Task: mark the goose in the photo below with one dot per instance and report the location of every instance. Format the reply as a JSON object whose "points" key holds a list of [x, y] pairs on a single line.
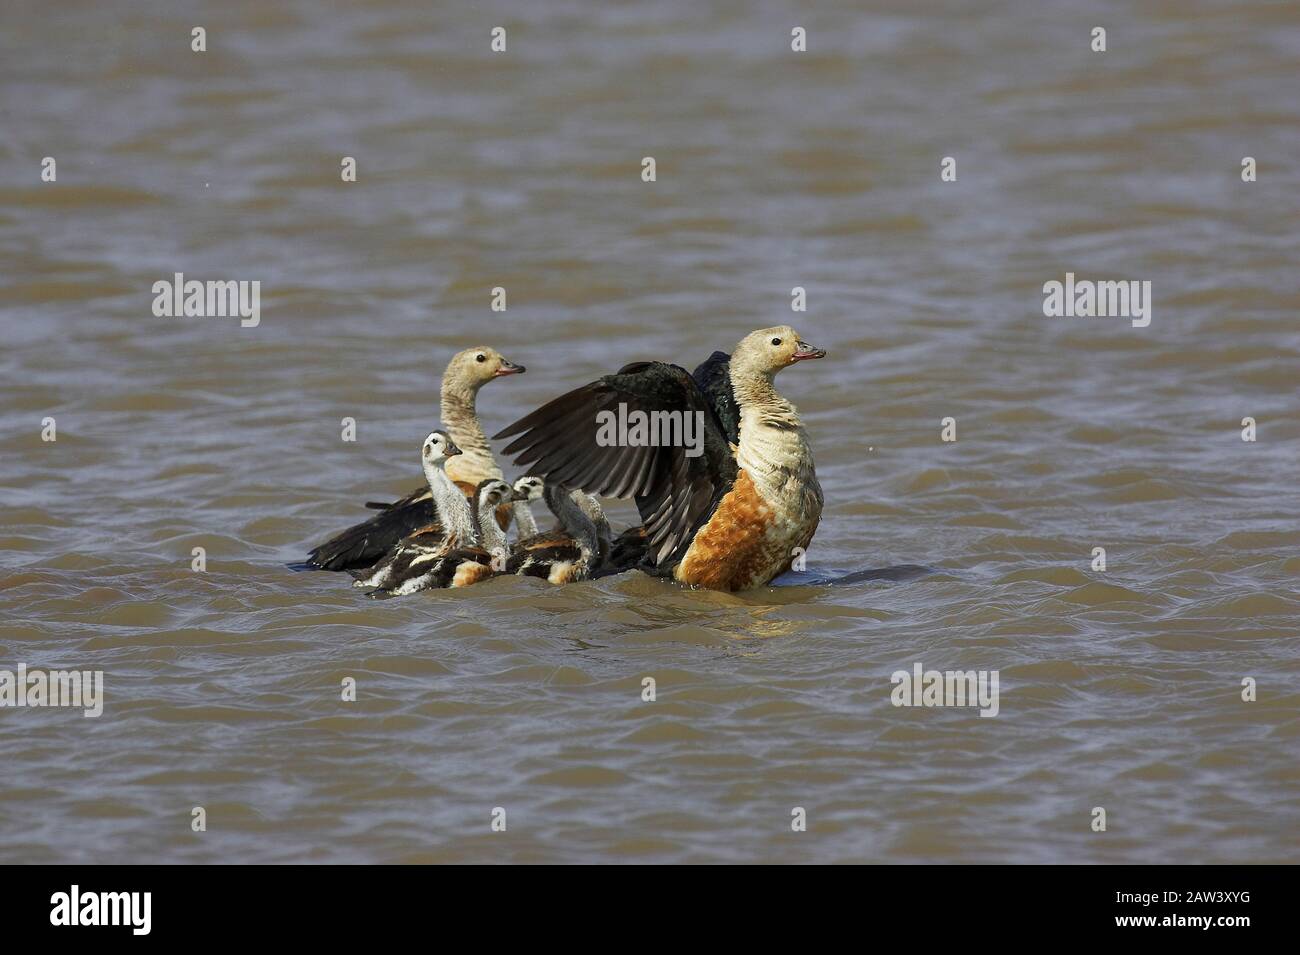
{"points": [[569, 553], [469, 565], [590, 506], [423, 562], [727, 515], [419, 567], [526, 490], [530, 488], [362, 545], [452, 526]]}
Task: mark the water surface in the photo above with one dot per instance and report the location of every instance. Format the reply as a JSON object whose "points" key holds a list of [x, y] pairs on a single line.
{"points": [[1119, 689]]}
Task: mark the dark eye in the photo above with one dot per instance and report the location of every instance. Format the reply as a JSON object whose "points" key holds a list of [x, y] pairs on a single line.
{"points": [[776, 341], [480, 357]]}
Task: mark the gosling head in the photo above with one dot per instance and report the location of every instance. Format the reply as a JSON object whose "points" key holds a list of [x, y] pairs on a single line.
{"points": [[438, 447], [471, 369], [528, 488], [768, 350], [490, 493]]}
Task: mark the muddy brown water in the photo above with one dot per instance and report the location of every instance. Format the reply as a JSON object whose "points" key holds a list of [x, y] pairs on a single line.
{"points": [[1119, 689]]}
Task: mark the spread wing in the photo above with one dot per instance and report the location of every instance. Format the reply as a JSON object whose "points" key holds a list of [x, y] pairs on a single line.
{"points": [[675, 491], [362, 545], [714, 378]]}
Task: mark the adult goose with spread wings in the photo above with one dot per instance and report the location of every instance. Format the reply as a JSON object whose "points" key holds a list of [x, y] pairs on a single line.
{"points": [[727, 513]]}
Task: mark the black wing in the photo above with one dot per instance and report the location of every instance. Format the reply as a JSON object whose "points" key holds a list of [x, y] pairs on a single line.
{"points": [[675, 493], [362, 545], [421, 493], [626, 551], [714, 378]]}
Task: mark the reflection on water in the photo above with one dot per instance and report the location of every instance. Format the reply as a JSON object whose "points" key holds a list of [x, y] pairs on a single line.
{"points": [[1119, 688]]}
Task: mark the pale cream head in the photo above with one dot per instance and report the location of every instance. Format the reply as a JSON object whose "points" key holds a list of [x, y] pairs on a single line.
{"points": [[768, 350]]}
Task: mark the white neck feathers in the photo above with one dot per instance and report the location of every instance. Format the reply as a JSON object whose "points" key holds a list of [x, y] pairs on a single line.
{"points": [[453, 508], [493, 538], [524, 519]]}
